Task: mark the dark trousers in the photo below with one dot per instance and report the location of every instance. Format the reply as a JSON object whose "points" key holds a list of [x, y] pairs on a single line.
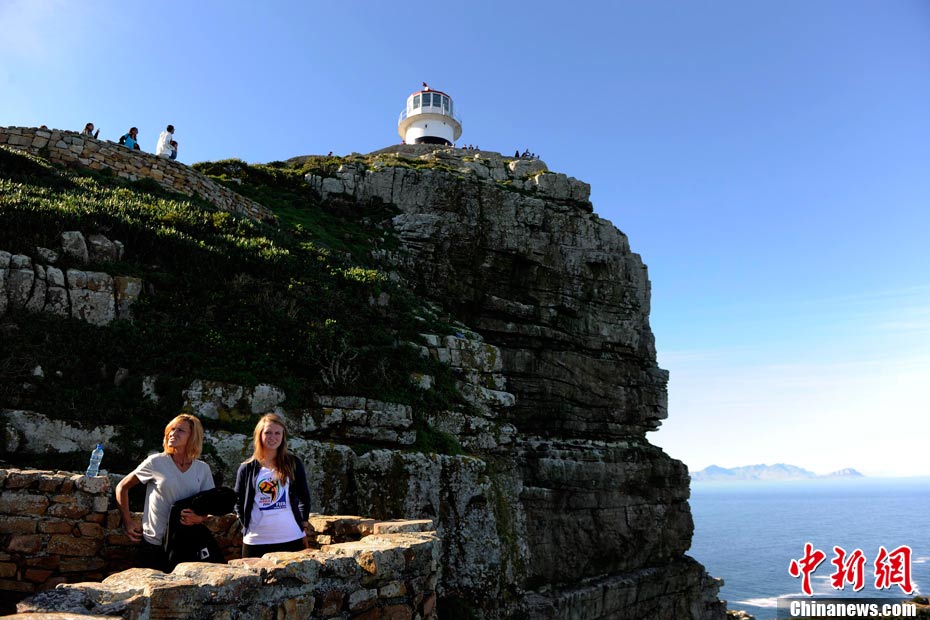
{"points": [[257, 551], [152, 556]]}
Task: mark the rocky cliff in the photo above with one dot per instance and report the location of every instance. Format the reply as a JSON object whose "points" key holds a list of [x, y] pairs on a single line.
{"points": [[522, 428], [600, 516]]}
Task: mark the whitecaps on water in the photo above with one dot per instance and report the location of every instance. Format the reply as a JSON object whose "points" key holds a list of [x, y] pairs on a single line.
{"points": [[754, 602], [767, 602]]}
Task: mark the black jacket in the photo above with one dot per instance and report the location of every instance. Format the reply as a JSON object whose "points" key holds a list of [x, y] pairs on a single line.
{"points": [[195, 543], [298, 492]]}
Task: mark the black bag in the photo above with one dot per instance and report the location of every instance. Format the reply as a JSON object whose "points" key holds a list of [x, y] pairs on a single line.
{"points": [[195, 543]]}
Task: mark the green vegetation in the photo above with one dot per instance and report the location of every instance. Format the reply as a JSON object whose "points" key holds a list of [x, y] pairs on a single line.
{"points": [[226, 299], [432, 440], [283, 188]]}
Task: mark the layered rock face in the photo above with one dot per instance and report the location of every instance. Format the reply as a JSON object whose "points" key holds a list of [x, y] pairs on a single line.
{"points": [[517, 253]]}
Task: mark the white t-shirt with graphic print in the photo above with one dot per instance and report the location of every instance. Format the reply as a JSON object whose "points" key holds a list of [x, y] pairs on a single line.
{"points": [[272, 518]]}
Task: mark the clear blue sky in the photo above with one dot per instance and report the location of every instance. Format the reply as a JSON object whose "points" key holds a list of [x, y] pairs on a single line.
{"points": [[769, 160]]}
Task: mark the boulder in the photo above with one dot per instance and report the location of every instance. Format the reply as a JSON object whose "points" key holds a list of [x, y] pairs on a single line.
{"points": [[74, 246], [50, 257], [92, 296], [101, 249], [265, 398], [127, 290], [20, 281], [38, 434]]}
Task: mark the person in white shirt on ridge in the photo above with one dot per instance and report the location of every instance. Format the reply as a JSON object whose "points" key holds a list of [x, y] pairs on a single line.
{"points": [[164, 142]]}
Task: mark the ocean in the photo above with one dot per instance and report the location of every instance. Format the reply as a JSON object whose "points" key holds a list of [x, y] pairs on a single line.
{"points": [[748, 533]]}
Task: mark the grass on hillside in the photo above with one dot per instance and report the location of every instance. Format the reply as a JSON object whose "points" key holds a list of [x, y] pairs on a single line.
{"points": [[226, 299], [282, 188]]}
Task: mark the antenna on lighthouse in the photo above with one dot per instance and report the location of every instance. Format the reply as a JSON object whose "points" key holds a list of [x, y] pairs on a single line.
{"points": [[429, 119]]}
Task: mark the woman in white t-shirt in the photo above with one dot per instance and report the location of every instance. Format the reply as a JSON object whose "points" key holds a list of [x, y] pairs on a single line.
{"points": [[273, 498], [172, 475]]}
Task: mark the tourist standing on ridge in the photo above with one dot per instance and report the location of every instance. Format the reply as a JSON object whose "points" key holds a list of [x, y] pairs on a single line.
{"points": [[131, 139], [164, 142], [273, 499], [89, 131], [170, 476]]}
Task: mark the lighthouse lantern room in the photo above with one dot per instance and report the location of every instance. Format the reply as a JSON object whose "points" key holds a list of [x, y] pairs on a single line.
{"points": [[429, 119]]}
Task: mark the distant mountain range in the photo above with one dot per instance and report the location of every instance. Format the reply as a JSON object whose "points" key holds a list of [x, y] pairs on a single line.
{"points": [[779, 471]]}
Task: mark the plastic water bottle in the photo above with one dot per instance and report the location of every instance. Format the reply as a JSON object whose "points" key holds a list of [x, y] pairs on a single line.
{"points": [[95, 457]]}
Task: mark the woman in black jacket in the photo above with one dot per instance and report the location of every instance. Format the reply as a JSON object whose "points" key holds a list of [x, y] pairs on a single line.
{"points": [[273, 498]]}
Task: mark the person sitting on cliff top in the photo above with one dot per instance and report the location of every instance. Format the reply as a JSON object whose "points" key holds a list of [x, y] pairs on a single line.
{"points": [[89, 131], [174, 149], [131, 139], [163, 149]]}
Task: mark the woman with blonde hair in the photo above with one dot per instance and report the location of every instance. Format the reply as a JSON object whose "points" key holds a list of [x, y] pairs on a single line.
{"points": [[273, 498], [169, 476]]}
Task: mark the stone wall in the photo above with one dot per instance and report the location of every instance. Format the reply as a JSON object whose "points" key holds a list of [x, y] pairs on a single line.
{"points": [[60, 528], [73, 149], [53, 529]]}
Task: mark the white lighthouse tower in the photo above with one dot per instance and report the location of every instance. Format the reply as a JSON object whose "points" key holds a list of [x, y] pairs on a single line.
{"points": [[429, 119]]}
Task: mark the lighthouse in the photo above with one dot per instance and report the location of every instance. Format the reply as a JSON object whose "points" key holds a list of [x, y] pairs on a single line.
{"points": [[429, 119]]}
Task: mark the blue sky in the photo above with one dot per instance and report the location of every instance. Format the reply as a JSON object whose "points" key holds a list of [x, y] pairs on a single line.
{"points": [[769, 160]]}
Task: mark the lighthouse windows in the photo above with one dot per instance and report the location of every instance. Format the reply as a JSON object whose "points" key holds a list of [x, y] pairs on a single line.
{"points": [[433, 103]]}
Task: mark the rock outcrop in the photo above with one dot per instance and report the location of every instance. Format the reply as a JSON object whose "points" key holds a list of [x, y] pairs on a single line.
{"points": [[516, 253], [38, 285]]}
